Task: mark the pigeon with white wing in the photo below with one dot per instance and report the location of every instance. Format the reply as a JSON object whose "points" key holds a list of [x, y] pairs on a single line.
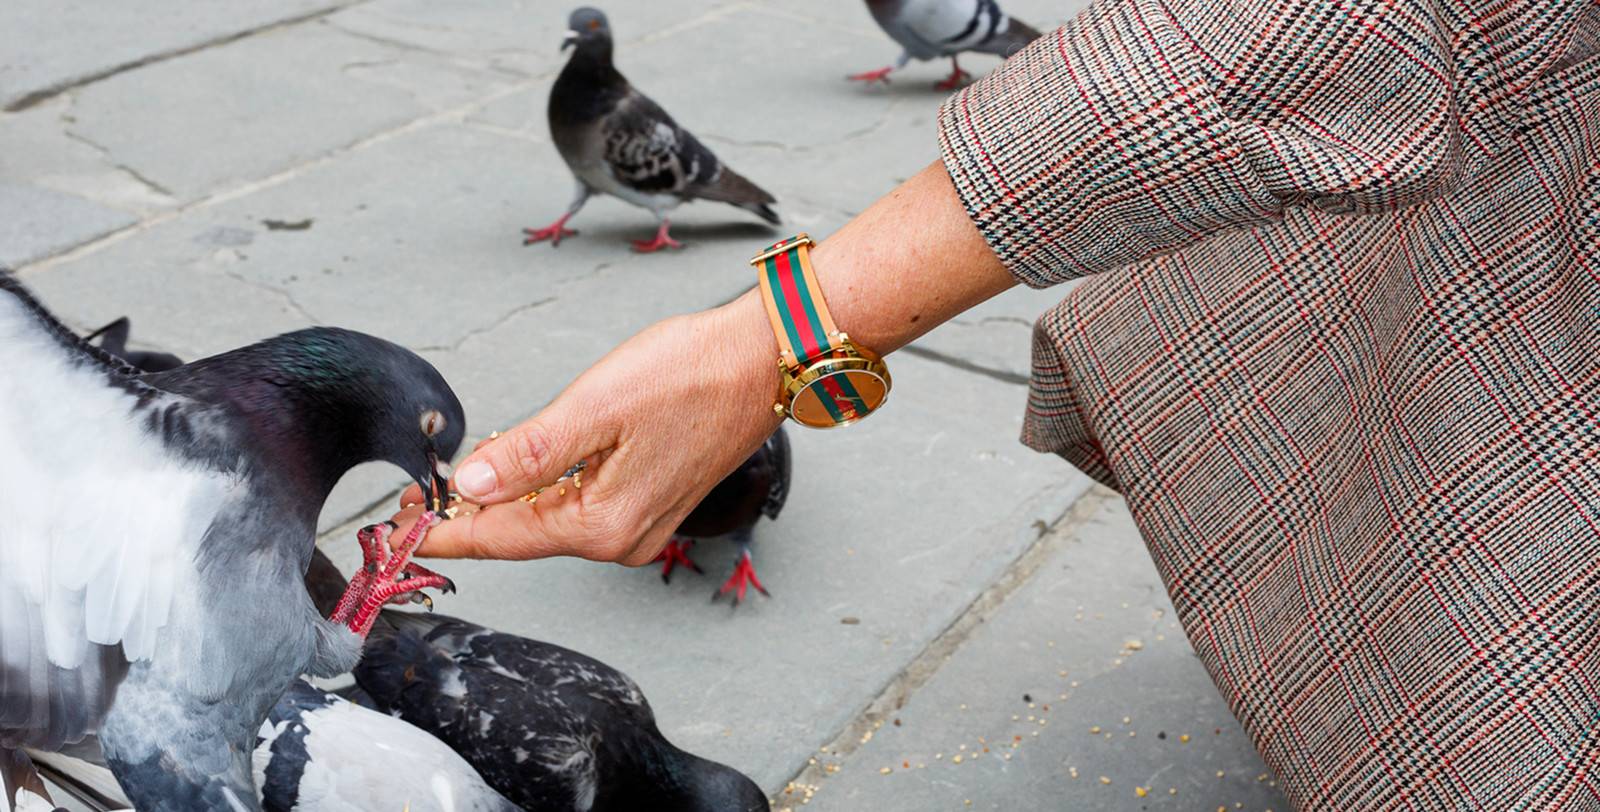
{"points": [[158, 527]]}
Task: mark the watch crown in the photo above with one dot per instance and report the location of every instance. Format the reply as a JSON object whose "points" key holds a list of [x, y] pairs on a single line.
{"points": [[778, 407]]}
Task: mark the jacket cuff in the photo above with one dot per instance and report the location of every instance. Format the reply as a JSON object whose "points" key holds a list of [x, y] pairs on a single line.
{"points": [[1098, 145]]}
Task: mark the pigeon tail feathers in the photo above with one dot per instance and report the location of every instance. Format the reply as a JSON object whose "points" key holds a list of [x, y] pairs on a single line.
{"points": [[731, 187]]}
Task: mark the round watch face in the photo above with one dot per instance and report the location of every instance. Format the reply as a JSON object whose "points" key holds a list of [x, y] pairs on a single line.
{"points": [[839, 398]]}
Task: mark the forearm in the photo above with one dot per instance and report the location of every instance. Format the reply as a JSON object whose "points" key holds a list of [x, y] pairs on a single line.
{"points": [[910, 262]]}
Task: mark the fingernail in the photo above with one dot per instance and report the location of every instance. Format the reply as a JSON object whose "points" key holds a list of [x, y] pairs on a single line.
{"points": [[475, 480]]}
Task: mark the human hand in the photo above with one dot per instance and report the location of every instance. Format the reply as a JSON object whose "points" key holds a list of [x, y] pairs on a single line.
{"points": [[660, 420]]}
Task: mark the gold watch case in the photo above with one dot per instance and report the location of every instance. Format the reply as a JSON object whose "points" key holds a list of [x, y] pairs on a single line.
{"points": [[836, 390]]}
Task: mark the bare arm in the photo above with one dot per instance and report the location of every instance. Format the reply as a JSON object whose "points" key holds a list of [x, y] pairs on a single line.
{"points": [[910, 262]]}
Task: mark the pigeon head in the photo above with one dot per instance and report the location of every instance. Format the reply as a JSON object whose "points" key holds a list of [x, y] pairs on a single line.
{"points": [[321, 401], [588, 29], [720, 787]]}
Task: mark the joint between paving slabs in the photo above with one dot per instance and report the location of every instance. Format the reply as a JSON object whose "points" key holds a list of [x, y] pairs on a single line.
{"points": [[921, 668]]}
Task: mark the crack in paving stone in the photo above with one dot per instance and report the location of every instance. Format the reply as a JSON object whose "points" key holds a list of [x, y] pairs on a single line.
{"points": [[489, 328], [282, 293], [965, 365], [1006, 320], [1052, 536], [112, 161], [46, 93]]}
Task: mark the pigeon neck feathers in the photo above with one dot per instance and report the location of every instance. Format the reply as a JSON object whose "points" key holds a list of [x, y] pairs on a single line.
{"points": [[589, 85]]}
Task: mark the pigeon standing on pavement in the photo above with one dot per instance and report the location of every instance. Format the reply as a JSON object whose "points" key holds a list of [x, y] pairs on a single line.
{"points": [[551, 729], [158, 527], [931, 29], [757, 488], [618, 142], [113, 338]]}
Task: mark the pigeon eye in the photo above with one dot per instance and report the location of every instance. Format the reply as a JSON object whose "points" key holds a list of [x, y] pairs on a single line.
{"points": [[432, 422], [594, 25]]}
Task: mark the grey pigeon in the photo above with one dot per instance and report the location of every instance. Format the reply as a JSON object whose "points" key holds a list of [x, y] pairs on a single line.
{"points": [[158, 527], [759, 487], [618, 142], [932, 29], [320, 752], [550, 728]]}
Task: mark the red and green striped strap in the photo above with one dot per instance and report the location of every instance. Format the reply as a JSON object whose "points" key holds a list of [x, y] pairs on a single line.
{"points": [[800, 318]]}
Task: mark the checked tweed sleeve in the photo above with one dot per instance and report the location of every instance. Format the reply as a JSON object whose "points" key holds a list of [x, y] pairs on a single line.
{"points": [[1145, 125]]}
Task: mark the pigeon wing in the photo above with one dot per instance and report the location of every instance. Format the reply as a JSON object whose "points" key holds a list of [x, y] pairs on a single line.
{"points": [[648, 152], [932, 28], [101, 523]]}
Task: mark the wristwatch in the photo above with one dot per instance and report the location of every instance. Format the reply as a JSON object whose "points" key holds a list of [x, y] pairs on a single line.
{"points": [[828, 381]]}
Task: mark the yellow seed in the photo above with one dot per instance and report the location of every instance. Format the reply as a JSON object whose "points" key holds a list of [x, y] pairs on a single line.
{"points": [[1104, 780], [1184, 738], [956, 759], [1219, 773], [885, 771], [1140, 791], [1126, 719], [1095, 729]]}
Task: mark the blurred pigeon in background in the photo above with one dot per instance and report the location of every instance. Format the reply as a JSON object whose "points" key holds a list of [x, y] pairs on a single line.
{"points": [[930, 29], [757, 488], [547, 727], [158, 527], [618, 142]]}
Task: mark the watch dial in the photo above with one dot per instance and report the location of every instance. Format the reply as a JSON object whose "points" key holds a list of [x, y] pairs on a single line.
{"points": [[839, 398]]}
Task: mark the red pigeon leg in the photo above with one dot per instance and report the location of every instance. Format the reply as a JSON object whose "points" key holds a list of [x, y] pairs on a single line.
{"points": [[676, 552], [743, 577], [956, 77], [397, 578], [553, 232], [662, 240], [374, 544], [879, 75]]}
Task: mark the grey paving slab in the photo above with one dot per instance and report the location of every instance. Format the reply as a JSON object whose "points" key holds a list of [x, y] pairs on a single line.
{"points": [[38, 222], [46, 44], [931, 500], [199, 122], [1079, 692]]}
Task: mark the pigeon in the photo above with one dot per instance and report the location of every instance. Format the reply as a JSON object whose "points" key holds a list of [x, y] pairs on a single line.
{"points": [[757, 488], [114, 339], [158, 527], [930, 29], [21, 788], [314, 753], [549, 728], [618, 142]]}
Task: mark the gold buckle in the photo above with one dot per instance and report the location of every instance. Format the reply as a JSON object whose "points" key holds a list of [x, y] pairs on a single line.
{"points": [[797, 240]]}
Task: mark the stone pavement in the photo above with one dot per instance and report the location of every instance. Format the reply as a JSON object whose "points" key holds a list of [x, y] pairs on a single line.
{"points": [[244, 167]]}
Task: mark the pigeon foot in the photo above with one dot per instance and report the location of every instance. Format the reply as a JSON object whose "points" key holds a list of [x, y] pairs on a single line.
{"points": [[676, 552], [879, 75], [662, 240], [743, 577], [956, 78], [390, 578], [553, 232]]}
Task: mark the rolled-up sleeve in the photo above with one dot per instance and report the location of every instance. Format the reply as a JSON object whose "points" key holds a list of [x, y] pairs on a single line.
{"points": [[1144, 125]]}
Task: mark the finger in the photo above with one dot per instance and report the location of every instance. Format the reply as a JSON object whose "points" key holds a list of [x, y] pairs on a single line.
{"points": [[516, 531], [412, 495], [527, 457]]}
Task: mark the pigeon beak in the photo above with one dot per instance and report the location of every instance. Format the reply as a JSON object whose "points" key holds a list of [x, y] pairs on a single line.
{"points": [[436, 488], [569, 40]]}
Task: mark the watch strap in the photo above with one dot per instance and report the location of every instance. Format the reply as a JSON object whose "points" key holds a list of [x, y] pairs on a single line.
{"points": [[800, 318]]}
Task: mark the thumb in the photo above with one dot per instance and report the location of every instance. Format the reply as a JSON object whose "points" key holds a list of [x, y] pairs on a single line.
{"points": [[529, 456]]}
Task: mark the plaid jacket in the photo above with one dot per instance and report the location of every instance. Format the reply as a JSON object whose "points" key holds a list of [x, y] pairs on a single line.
{"points": [[1339, 352]]}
